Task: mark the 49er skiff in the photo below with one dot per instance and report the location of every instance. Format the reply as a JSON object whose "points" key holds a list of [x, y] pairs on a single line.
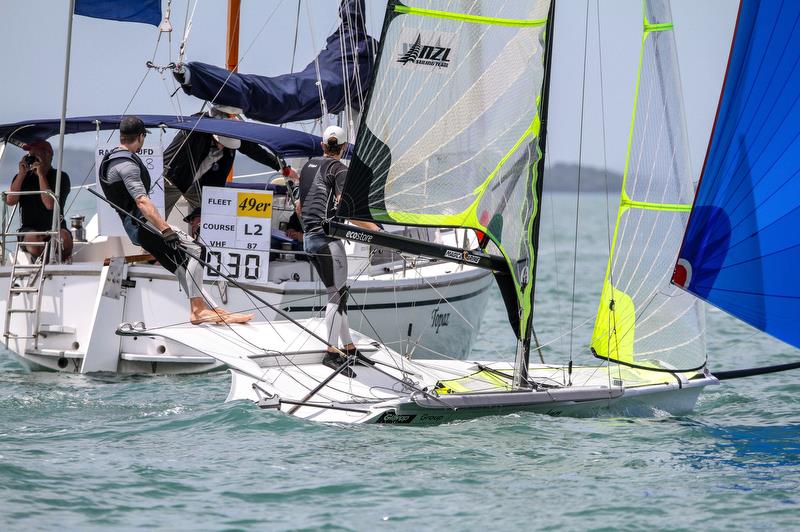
{"points": [[459, 142]]}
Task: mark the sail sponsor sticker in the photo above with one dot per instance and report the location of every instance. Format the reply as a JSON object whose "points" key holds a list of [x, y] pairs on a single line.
{"points": [[390, 417], [424, 49]]}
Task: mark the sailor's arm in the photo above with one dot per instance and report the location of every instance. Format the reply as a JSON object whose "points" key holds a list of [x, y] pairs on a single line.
{"points": [[44, 186], [150, 212], [133, 183], [259, 154], [360, 223]]}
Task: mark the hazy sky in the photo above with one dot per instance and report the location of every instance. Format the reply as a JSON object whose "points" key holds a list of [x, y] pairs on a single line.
{"points": [[108, 62]]}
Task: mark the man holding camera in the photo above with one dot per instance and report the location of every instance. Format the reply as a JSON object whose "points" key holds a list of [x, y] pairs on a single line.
{"points": [[36, 210]]}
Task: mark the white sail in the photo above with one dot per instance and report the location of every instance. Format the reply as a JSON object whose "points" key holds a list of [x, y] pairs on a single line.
{"points": [[643, 320]]}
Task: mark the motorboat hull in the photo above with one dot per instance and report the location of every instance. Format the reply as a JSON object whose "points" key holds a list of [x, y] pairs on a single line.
{"points": [[425, 311]]}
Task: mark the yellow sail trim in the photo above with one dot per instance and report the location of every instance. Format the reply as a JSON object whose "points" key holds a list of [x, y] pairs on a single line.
{"points": [[481, 381], [615, 325], [475, 19], [627, 203], [468, 217], [656, 27]]}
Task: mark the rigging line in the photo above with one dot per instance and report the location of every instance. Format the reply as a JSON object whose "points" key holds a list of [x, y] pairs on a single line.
{"points": [[580, 168], [111, 134], [262, 350], [322, 103], [233, 281], [169, 33], [230, 73], [296, 31], [296, 338], [187, 28]]}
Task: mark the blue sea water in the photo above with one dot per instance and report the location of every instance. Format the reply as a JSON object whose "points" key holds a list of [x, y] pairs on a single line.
{"points": [[105, 452]]}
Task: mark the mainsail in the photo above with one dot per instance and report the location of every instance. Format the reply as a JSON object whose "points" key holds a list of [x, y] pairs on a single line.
{"points": [[642, 320], [453, 131], [741, 251], [340, 74]]}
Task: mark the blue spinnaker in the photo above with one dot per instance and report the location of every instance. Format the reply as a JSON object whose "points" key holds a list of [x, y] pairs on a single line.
{"points": [[283, 141], [741, 251], [345, 66], [146, 11]]}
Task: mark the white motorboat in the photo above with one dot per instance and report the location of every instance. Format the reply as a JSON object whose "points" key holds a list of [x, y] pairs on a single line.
{"points": [[63, 316]]}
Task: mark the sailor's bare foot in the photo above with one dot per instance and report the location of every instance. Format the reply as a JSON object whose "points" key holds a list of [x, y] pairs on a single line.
{"points": [[205, 316], [232, 317]]}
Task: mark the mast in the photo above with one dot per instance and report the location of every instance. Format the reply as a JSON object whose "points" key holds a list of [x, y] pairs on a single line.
{"points": [[524, 343], [232, 45], [55, 251], [232, 38]]}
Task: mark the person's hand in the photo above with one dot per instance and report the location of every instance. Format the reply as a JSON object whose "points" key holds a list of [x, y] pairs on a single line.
{"points": [[45, 159], [23, 167], [294, 234], [171, 238], [39, 168], [293, 175]]}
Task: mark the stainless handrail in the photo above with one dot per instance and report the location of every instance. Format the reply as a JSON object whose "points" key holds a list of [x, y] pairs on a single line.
{"points": [[6, 221]]}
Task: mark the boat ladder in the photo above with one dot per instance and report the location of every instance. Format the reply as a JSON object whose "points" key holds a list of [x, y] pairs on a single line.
{"points": [[25, 287]]}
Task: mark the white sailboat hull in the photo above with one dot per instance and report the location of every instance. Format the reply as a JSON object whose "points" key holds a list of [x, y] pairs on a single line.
{"points": [[289, 376], [428, 310]]}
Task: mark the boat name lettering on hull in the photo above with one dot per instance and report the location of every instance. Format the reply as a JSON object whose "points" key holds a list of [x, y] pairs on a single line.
{"points": [[439, 320], [355, 235]]}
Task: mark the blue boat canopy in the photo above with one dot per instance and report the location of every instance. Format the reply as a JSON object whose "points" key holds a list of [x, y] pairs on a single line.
{"points": [[345, 70], [284, 142], [741, 251]]}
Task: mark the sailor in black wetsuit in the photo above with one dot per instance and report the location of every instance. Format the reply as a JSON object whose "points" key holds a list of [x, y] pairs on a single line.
{"points": [[125, 181], [321, 183]]}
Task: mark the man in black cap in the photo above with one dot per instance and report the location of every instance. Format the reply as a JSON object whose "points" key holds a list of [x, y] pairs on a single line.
{"points": [[125, 181]]}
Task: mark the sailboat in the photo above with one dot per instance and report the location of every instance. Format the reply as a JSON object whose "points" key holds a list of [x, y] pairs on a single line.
{"points": [[453, 135], [63, 316]]}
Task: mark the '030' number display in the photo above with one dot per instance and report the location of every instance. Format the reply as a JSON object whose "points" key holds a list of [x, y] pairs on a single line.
{"points": [[241, 265]]}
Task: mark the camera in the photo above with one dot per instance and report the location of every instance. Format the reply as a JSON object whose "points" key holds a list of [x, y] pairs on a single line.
{"points": [[30, 159]]}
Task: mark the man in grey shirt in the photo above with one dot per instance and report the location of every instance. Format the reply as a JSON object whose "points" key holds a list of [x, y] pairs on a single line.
{"points": [[125, 181]]}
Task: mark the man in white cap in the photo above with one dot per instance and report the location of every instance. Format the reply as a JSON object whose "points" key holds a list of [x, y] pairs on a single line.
{"points": [[194, 160], [321, 182]]}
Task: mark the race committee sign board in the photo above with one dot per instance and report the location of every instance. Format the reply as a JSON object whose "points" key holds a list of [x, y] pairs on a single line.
{"points": [[236, 228]]}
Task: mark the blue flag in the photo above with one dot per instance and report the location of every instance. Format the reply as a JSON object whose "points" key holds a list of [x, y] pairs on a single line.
{"points": [[146, 11]]}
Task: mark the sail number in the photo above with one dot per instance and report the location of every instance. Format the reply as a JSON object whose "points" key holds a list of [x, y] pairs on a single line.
{"points": [[238, 265], [256, 205]]}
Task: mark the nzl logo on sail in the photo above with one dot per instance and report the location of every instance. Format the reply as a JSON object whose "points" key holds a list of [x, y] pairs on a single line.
{"points": [[425, 54]]}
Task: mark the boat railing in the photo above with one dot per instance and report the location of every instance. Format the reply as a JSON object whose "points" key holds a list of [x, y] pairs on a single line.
{"points": [[5, 223]]}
